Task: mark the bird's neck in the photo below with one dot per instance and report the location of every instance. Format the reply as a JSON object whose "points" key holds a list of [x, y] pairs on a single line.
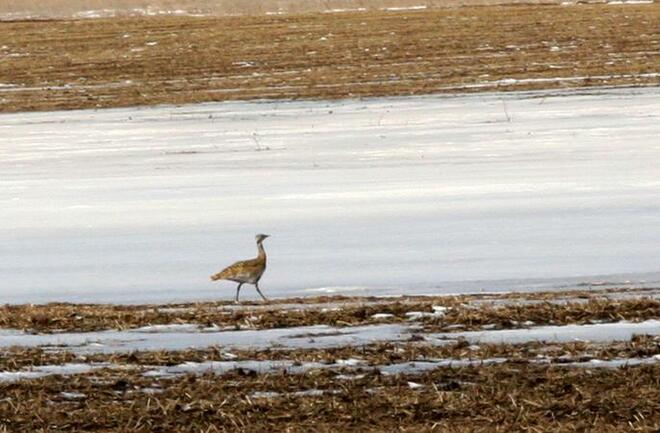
{"points": [[262, 252]]}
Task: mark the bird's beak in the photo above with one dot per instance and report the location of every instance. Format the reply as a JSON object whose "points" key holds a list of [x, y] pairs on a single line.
{"points": [[266, 236]]}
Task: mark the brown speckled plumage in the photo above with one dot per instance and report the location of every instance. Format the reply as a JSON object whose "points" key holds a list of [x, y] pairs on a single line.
{"points": [[246, 271]]}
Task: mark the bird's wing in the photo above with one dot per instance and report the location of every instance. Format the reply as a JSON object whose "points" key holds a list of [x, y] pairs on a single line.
{"points": [[238, 271]]}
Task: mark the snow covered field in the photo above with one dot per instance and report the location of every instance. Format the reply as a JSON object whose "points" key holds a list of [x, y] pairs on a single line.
{"points": [[383, 196]]}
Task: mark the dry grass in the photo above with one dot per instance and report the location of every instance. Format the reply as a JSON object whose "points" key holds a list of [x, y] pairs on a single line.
{"points": [[355, 311], [504, 398], [520, 395], [514, 316], [136, 61]]}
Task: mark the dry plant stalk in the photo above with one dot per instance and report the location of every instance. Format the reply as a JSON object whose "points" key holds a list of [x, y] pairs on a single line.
{"points": [[509, 397], [462, 312], [521, 394], [141, 61]]}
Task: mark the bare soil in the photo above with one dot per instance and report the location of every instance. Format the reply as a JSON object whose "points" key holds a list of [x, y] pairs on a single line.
{"points": [[68, 64]]}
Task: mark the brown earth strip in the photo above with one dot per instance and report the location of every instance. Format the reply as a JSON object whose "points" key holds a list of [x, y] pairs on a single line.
{"points": [[459, 314], [142, 61], [499, 398], [36, 9]]}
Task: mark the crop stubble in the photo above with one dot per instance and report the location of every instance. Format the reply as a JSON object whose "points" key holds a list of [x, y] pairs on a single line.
{"points": [[141, 61], [498, 398], [464, 311], [535, 390]]}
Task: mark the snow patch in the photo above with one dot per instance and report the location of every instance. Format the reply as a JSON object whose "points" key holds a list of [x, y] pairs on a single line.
{"points": [[73, 395], [406, 8], [68, 369], [382, 316], [596, 333], [183, 337]]}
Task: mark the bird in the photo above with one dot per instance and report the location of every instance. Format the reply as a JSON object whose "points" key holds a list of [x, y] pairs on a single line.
{"points": [[246, 271]]}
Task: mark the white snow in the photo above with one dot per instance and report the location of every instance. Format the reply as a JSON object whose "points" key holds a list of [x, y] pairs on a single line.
{"points": [[614, 363], [305, 393], [523, 81], [185, 337], [179, 328], [316, 336], [340, 10], [351, 362], [630, 2], [416, 315], [96, 13], [73, 395], [416, 367], [406, 8], [222, 367], [439, 310], [295, 367], [382, 316], [259, 367], [48, 370], [601, 332], [411, 367], [439, 194]]}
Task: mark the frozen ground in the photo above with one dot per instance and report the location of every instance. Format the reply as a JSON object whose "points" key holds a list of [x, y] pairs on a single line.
{"points": [[177, 338], [181, 337], [601, 333], [516, 191], [295, 367]]}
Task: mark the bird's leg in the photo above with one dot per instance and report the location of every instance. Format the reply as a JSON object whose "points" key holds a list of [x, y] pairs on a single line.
{"points": [[238, 289], [262, 295]]}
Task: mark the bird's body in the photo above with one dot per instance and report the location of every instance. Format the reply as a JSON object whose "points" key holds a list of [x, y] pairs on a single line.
{"points": [[246, 271]]}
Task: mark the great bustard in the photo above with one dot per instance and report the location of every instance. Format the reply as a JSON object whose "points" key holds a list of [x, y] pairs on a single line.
{"points": [[246, 271]]}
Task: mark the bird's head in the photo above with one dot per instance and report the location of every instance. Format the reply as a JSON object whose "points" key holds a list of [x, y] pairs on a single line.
{"points": [[260, 237]]}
